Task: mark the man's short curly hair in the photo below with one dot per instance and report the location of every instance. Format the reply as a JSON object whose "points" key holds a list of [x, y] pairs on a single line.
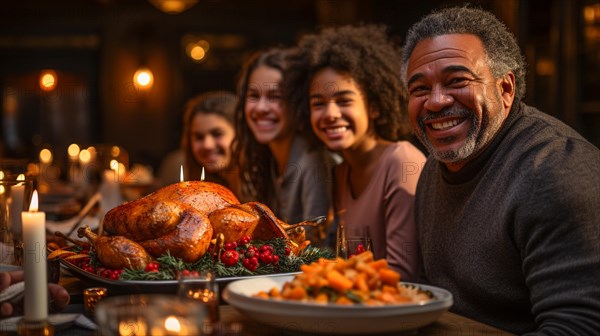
{"points": [[501, 47], [368, 56]]}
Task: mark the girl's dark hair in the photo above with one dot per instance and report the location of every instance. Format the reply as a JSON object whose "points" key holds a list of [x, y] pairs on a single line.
{"points": [[221, 103], [254, 158], [369, 57]]}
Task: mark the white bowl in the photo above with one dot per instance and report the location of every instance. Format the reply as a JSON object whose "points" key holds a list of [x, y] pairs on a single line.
{"points": [[326, 319]]}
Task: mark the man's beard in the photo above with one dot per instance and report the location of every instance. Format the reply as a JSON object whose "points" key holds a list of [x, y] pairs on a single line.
{"points": [[479, 135]]}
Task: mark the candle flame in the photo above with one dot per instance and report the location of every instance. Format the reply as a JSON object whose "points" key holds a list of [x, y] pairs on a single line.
{"points": [[202, 176], [181, 174], [20, 178], [33, 206]]}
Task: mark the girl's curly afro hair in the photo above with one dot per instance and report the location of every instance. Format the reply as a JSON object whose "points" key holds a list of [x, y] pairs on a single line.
{"points": [[368, 56]]}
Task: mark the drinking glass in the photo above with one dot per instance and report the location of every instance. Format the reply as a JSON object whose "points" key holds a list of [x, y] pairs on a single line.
{"points": [[352, 243], [358, 244], [201, 288], [14, 199]]}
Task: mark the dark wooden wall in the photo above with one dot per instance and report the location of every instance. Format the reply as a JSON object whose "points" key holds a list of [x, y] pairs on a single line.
{"points": [[96, 45]]}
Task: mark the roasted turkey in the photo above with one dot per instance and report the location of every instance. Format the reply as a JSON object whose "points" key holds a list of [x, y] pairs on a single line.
{"points": [[184, 217]]}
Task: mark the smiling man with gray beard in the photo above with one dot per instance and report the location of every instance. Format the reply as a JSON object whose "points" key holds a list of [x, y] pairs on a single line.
{"points": [[507, 203]]}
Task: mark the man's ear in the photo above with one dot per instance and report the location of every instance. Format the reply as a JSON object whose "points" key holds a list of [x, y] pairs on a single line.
{"points": [[507, 90]]}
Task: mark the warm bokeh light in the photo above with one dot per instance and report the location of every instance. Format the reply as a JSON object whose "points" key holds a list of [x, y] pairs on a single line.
{"points": [[197, 49], [21, 177], [33, 168], [121, 170], [48, 80], [73, 150], [172, 324], [591, 13], [92, 151], [114, 164], [173, 6], [85, 156], [143, 78], [197, 53], [545, 67], [45, 155], [1, 175], [115, 151]]}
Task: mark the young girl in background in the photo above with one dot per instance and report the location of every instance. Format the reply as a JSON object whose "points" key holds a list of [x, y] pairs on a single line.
{"points": [[344, 83], [278, 167], [208, 133]]}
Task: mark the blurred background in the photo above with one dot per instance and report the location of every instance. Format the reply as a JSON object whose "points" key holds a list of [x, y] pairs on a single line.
{"points": [[67, 66]]}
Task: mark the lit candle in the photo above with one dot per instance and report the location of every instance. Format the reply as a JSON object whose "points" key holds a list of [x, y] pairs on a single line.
{"points": [[110, 192], [36, 284], [202, 176], [16, 207], [174, 325], [118, 168], [181, 174]]}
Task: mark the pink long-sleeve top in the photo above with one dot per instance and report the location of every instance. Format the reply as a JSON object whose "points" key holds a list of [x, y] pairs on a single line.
{"points": [[385, 209]]}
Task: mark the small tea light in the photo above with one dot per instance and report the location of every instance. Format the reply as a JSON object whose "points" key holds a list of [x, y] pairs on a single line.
{"points": [[131, 326], [175, 325], [91, 296]]}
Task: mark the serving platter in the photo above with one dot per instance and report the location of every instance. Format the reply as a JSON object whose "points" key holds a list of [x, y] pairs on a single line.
{"points": [[143, 286], [326, 319]]}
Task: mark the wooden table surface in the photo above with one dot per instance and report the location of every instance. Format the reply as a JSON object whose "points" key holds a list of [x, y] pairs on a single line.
{"points": [[233, 323], [449, 324]]}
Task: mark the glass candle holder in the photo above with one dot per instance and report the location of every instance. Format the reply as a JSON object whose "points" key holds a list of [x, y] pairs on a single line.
{"points": [[91, 297], [149, 314], [201, 288]]}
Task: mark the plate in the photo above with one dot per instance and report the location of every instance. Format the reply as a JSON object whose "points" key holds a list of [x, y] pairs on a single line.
{"points": [[145, 286], [59, 321], [324, 319]]}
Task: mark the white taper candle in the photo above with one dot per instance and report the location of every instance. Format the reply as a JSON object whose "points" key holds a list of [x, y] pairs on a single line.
{"points": [[34, 255]]}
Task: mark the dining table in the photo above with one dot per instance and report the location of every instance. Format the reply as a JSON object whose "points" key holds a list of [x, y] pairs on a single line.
{"points": [[232, 322]]}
